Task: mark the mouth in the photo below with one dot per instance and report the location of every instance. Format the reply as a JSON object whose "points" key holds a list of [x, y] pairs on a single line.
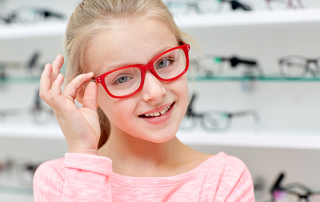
{"points": [[157, 114]]}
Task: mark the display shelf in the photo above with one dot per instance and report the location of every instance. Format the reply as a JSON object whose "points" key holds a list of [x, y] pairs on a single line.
{"points": [[308, 140], [256, 78], [23, 80], [41, 131], [16, 190], [27, 30], [264, 140], [194, 20], [57, 28], [19, 80]]}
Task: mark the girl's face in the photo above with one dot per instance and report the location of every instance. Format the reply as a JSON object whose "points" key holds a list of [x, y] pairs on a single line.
{"points": [[138, 43]]}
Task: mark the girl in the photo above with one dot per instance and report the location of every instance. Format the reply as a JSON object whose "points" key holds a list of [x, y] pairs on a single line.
{"points": [[127, 63]]}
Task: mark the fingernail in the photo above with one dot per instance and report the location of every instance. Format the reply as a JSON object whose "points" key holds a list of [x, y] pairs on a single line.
{"points": [[58, 56], [46, 67]]}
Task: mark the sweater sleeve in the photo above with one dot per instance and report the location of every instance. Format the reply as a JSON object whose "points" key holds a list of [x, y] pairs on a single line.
{"points": [[81, 178], [243, 190]]}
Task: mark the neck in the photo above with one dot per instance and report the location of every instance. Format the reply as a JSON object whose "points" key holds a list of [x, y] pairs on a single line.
{"points": [[129, 154]]}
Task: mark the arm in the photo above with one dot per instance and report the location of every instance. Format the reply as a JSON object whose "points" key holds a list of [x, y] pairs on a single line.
{"points": [[82, 177]]}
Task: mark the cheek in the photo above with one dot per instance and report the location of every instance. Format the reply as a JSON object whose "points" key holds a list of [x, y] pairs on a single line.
{"points": [[116, 109], [183, 91]]}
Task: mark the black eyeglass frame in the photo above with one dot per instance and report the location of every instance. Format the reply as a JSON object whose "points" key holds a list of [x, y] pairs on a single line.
{"points": [[288, 188], [200, 116], [234, 62]]}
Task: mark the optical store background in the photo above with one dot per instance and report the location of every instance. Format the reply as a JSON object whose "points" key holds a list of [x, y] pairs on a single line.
{"points": [[264, 112]]}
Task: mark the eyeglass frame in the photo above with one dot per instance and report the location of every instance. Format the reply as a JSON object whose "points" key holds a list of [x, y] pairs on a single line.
{"points": [[234, 62], [307, 68], [200, 116], [289, 4], [287, 188], [235, 4], [143, 69]]}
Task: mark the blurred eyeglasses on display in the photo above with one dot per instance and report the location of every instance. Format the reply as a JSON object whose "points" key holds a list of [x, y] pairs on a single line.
{"points": [[295, 66], [213, 120], [213, 65], [292, 4], [22, 169], [292, 192], [38, 113], [28, 14], [205, 6]]}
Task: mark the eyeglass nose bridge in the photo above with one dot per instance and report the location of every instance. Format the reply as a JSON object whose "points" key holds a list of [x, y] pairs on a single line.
{"points": [[149, 67], [312, 66]]}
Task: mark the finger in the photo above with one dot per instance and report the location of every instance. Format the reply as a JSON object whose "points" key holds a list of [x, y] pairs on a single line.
{"points": [[45, 83], [56, 65], [56, 92], [75, 84], [90, 96]]}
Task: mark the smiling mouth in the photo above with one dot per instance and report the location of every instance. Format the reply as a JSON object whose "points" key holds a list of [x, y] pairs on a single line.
{"points": [[157, 114]]}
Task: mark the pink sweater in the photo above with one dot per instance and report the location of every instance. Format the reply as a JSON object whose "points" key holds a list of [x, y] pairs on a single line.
{"points": [[80, 177]]}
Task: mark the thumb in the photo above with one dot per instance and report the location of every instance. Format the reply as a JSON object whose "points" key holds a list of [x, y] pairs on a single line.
{"points": [[90, 96]]}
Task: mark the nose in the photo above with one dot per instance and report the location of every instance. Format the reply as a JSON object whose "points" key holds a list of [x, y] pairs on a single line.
{"points": [[153, 89]]}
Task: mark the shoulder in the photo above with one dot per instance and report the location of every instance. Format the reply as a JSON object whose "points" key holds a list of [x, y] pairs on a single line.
{"points": [[227, 163], [50, 172], [230, 178]]}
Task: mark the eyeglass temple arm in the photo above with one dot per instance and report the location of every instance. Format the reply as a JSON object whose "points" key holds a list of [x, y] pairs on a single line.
{"points": [[277, 184], [237, 4], [254, 113], [234, 61], [190, 105]]}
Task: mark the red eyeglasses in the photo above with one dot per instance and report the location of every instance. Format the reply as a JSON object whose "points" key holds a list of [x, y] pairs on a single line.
{"points": [[127, 81]]}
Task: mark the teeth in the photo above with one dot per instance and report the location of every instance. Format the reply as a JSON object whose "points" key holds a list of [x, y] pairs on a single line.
{"points": [[158, 113]]}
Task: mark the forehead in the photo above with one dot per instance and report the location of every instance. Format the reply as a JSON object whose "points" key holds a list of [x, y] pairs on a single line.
{"points": [[131, 43]]}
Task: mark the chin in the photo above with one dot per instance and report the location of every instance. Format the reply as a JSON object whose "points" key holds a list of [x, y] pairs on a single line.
{"points": [[161, 136]]}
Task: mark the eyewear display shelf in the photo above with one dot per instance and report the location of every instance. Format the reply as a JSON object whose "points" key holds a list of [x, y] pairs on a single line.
{"points": [[47, 29], [193, 24], [23, 80], [194, 137]]}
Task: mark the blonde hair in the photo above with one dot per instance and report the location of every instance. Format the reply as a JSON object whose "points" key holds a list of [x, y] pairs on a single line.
{"points": [[91, 17]]}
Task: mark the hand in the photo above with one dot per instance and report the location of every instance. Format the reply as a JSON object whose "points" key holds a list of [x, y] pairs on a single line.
{"points": [[80, 126]]}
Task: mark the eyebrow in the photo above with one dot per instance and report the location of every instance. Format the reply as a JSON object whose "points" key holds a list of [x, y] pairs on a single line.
{"points": [[107, 69]]}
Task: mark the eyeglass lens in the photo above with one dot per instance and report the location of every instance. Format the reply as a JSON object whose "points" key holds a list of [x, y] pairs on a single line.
{"points": [[294, 67], [126, 81], [215, 121], [209, 121], [211, 66], [283, 196], [297, 67]]}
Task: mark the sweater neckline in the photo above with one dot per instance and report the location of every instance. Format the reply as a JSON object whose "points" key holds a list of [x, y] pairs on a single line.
{"points": [[175, 179]]}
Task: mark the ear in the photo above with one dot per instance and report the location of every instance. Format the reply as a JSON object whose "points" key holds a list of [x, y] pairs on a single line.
{"points": [[80, 94]]}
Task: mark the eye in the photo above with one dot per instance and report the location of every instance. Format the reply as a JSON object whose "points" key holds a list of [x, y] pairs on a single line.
{"points": [[122, 79], [164, 63]]}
